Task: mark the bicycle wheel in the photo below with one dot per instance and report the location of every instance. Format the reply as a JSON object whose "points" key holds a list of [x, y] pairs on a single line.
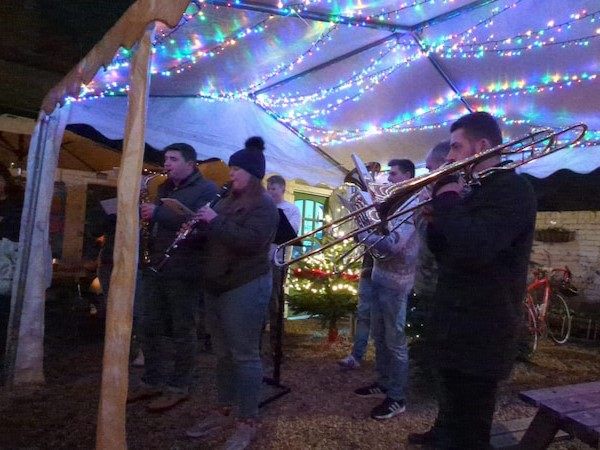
{"points": [[533, 328], [558, 319], [528, 343]]}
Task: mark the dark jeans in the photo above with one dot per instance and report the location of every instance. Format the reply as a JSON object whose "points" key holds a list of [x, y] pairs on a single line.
{"points": [[466, 408], [170, 308]]}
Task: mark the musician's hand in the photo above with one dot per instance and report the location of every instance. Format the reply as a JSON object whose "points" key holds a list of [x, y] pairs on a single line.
{"points": [[427, 213], [451, 187], [147, 210], [206, 214]]}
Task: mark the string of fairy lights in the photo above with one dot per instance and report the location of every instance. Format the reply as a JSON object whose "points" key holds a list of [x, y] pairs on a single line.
{"points": [[305, 112]]}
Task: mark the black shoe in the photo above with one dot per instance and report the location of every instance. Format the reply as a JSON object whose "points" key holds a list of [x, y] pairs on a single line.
{"points": [[388, 409], [427, 438], [371, 391]]}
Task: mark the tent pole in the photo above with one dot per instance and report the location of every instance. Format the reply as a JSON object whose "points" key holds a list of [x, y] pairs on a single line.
{"points": [[328, 63], [311, 15], [111, 429], [451, 14], [433, 60], [319, 150]]}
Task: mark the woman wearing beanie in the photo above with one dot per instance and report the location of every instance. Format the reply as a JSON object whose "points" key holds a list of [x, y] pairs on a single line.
{"points": [[238, 230]]}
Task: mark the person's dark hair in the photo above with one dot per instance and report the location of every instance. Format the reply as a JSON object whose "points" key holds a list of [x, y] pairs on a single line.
{"points": [[187, 151], [276, 179], [440, 151], [405, 165], [479, 125]]}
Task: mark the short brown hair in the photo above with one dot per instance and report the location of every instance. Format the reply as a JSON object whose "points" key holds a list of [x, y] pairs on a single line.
{"points": [[276, 179]]}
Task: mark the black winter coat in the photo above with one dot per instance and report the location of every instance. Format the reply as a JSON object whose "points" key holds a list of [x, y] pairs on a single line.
{"points": [[482, 244], [185, 261]]}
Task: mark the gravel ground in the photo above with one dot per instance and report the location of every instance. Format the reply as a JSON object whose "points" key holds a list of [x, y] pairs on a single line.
{"points": [[319, 412]]}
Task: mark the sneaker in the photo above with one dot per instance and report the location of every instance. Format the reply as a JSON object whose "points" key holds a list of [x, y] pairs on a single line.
{"points": [[388, 409], [349, 363], [210, 425], [245, 432], [167, 401], [143, 392], [371, 391]]}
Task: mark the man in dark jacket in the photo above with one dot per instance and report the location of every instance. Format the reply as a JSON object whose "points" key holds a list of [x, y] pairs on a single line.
{"points": [[481, 238], [171, 295]]}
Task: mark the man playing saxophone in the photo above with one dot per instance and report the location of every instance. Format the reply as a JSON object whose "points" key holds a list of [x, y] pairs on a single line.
{"points": [[171, 296]]}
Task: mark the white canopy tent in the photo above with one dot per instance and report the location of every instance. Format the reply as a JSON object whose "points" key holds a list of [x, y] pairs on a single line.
{"points": [[381, 80], [319, 81]]}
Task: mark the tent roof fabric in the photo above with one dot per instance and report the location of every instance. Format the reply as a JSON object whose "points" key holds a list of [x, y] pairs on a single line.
{"points": [[381, 80]]}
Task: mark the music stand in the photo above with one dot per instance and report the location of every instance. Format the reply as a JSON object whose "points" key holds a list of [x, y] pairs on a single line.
{"points": [[285, 233]]}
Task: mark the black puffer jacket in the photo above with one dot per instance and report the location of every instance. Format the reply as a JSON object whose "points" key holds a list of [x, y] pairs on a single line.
{"points": [[482, 245], [194, 192]]}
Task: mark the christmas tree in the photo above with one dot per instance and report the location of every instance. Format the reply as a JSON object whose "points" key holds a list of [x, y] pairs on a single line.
{"points": [[319, 288]]}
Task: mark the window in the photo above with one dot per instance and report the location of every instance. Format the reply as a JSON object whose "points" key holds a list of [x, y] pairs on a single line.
{"points": [[312, 208]]}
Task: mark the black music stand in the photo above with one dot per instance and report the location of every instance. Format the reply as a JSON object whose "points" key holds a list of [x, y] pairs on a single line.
{"points": [[285, 233]]}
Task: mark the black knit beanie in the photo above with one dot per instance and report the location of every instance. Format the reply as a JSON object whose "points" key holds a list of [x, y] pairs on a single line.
{"points": [[251, 157]]}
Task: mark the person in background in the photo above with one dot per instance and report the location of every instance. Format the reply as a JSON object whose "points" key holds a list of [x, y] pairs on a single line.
{"points": [[276, 189], [171, 295], [426, 267], [392, 280], [238, 233], [481, 238], [363, 317], [11, 209]]}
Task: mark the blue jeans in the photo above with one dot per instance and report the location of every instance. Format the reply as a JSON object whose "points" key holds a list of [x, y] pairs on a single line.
{"points": [[235, 320], [169, 310], [363, 318], [388, 320]]}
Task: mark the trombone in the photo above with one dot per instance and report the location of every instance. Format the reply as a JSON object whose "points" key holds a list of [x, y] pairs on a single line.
{"points": [[388, 200]]}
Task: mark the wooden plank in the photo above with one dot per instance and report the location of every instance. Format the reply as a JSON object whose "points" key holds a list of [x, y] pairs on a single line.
{"points": [[564, 405], [536, 395], [541, 432], [506, 435], [584, 425]]}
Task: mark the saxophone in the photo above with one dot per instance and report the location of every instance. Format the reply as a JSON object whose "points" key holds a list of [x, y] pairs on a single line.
{"points": [[145, 226]]}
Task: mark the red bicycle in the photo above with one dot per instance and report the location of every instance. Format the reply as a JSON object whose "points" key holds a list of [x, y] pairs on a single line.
{"points": [[548, 313]]}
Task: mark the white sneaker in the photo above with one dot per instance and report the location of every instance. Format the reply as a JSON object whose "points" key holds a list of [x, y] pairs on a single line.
{"points": [[242, 436], [210, 425], [349, 363]]}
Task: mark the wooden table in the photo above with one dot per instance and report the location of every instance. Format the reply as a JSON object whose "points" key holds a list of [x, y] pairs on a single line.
{"points": [[574, 409]]}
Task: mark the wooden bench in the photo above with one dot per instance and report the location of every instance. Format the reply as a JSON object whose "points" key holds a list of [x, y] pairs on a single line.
{"points": [[574, 409], [506, 435]]}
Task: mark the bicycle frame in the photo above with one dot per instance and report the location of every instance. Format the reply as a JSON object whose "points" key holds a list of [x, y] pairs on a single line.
{"points": [[538, 309]]}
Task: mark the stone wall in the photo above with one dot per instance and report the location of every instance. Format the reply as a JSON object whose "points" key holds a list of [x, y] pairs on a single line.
{"points": [[581, 255]]}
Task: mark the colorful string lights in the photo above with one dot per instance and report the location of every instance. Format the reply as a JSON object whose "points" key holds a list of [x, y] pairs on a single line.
{"points": [[200, 36]]}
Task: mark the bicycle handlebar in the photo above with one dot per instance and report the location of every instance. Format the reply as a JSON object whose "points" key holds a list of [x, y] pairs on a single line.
{"points": [[566, 273]]}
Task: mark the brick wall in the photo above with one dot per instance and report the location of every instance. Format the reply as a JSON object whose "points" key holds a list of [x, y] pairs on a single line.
{"points": [[582, 255]]}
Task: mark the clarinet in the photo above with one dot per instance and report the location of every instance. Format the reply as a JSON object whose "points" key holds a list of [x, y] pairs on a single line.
{"points": [[186, 230]]}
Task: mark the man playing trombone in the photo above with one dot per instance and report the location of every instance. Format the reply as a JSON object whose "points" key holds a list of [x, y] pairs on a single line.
{"points": [[481, 238], [391, 282]]}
